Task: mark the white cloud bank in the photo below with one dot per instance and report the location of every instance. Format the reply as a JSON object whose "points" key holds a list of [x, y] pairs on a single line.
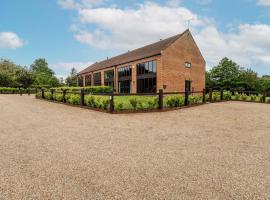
{"points": [[128, 28], [263, 2], [10, 40]]}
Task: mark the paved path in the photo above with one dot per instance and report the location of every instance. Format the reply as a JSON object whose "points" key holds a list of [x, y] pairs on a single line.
{"points": [[52, 151]]}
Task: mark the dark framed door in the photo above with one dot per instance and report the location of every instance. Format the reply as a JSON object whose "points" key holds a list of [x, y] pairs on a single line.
{"points": [[188, 85]]}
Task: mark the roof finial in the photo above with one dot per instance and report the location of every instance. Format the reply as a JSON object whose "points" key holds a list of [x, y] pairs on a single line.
{"points": [[189, 22]]}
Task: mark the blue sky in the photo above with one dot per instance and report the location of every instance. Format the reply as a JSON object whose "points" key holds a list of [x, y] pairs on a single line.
{"points": [[79, 32]]}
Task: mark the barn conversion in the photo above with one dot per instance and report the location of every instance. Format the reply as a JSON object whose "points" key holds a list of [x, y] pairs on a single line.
{"points": [[172, 64]]}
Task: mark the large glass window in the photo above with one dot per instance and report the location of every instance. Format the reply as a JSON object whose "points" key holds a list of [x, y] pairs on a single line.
{"points": [[88, 80], [147, 68], [97, 79], [146, 77], [109, 78], [124, 79]]}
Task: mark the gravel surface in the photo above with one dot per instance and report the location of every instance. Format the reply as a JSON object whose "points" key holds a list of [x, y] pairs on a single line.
{"points": [[53, 151]]}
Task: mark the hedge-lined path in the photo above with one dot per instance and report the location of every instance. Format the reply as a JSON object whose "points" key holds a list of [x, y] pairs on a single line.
{"points": [[53, 151]]}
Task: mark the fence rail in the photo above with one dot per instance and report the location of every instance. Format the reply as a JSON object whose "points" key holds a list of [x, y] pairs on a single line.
{"points": [[160, 101]]}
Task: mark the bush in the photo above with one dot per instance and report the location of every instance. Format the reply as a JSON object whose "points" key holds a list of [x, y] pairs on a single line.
{"points": [[152, 103], [101, 102], [174, 101], [134, 103], [73, 99], [216, 96], [244, 97], [237, 96], [195, 99], [48, 95], [253, 98], [227, 95], [90, 89], [58, 97], [118, 106]]}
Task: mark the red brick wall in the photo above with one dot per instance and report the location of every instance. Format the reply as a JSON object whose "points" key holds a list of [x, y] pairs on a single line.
{"points": [[174, 73]]}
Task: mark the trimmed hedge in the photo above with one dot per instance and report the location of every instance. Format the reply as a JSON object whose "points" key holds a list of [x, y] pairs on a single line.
{"points": [[90, 89]]}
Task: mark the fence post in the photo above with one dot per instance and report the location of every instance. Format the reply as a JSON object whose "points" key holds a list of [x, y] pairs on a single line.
{"points": [[186, 97], [82, 97], [29, 91], [64, 96], [160, 99], [221, 94], [20, 92], [210, 94], [264, 97], [112, 102], [42, 93], [52, 91], [204, 99]]}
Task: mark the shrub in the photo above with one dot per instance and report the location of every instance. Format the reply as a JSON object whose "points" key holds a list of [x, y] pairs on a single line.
{"points": [[216, 96], [244, 97], [174, 101], [90, 89], [58, 97], [227, 95], [237, 96], [48, 95], [118, 106], [73, 99], [253, 98], [100, 102], [152, 103], [194, 99], [134, 103], [260, 98]]}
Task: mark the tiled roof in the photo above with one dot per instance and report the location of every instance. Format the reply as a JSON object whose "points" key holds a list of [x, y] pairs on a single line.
{"points": [[138, 54]]}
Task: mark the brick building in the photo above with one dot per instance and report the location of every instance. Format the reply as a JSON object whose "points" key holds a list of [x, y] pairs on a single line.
{"points": [[172, 64]]}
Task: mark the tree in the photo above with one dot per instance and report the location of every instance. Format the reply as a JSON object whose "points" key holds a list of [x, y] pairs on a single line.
{"points": [[224, 75], [72, 80], [8, 71], [248, 79], [44, 76], [25, 78]]}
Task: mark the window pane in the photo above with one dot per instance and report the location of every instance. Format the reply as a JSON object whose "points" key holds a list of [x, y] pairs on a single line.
{"points": [[151, 67], [154, 66]]}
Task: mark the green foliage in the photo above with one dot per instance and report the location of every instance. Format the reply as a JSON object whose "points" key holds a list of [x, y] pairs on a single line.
{"points": [[118, 106], [134, 103], [43, 74], [6, 90], [253, 98], [227, 74], [71, 80], [237, 96], [25, 78], [58, 97], [174, 101], [216, 96], [73, 99], [90, 89], [100, 102], [48, 95], [195, 99], [227, 95], [244, 97]]}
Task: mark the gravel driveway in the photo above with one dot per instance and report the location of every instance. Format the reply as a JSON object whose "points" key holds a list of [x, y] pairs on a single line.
{"points": [[53, 151]]}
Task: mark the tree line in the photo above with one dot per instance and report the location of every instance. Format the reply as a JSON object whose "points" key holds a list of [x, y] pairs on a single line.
{"points": [[229, 75], [37, 75]]}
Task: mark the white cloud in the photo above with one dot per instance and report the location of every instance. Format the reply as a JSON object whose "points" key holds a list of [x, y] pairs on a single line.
{"points": [[10, 40], [263, 2], [128, 28], [64, 68], [79, 4]]}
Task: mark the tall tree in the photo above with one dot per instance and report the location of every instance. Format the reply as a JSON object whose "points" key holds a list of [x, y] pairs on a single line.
{"points": [[44, 76], [72, 80], [25, 78], [225, 74]]}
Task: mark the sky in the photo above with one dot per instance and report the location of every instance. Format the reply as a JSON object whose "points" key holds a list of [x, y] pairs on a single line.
{"points": [[77, 33]]}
